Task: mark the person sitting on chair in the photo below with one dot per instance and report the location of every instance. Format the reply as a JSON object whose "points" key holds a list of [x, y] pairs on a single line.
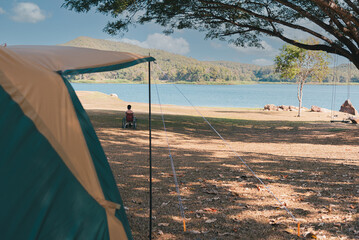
{"points": [[129, 114], [129, 120]]}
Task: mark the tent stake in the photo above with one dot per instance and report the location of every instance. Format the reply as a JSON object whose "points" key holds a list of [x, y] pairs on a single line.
{"points": [[150, 143]]}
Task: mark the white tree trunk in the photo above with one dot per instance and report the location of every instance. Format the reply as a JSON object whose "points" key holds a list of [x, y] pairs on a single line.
{"points": [[300, 94]]}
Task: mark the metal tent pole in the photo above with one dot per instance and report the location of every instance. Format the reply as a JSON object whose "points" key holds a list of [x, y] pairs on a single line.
{"points": [[150, 144]]}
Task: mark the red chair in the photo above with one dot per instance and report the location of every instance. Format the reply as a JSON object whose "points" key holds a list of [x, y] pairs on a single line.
{"points": [[129, 121], [129, 117]]}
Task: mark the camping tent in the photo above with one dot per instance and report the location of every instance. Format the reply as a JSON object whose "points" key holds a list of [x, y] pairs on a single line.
{"points": [[55, 179]]}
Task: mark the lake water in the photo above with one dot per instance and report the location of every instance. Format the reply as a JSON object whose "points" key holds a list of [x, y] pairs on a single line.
{"points": [[251, 96]]}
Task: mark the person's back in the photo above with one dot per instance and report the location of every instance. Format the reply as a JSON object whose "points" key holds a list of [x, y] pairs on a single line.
{"points": [[129, 120], [129, 114]]}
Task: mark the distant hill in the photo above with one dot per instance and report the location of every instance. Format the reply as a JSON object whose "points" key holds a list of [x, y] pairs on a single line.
{"points": [[180, 69]]}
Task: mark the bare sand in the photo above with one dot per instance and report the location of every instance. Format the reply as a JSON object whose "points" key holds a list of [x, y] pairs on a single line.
{"points": [[310, 164]]}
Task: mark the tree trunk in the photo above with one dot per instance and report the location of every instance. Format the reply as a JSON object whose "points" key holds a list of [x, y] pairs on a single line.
{"points": [[300, 95]]}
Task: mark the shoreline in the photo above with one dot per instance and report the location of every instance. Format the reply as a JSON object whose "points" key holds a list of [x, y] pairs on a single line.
{"points": [[203, 83], [92, 100]]}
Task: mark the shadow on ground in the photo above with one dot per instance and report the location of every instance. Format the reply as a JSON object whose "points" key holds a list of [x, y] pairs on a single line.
{"points": [[221, 197]]}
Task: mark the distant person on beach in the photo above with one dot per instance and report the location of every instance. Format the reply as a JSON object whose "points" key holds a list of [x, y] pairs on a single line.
{"points": [[129, 120], [129, 114]]}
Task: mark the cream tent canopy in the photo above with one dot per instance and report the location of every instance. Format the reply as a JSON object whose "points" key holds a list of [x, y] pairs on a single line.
{"points": [[74, 60], [56, 181]]}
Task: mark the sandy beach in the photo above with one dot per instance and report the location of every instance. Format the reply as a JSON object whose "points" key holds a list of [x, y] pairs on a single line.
{"points": [[97, 100], [308, 163]]}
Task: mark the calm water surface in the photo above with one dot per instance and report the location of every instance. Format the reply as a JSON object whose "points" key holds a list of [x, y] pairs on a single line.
{"points": [[251, 96]]}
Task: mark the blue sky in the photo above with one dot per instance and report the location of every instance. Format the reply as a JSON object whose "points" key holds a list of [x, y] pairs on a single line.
{"points": [[44, 22]]}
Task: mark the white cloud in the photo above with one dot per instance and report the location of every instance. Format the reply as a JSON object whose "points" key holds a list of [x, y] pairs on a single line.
{"points": [[216, 45], [27, 12], [262, 62], [2, 11], [267, 49], [163, 42], [134, 42]]}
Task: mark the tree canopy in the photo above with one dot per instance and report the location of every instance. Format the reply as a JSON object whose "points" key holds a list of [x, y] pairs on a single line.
{"points": [[294, 62], [334, 23]]}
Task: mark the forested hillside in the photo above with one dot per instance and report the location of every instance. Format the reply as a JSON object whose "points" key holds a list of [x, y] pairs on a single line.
{"points": [[177, 68]]}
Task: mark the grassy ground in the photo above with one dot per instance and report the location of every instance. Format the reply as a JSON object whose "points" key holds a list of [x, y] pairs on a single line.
{"points": [[312, 167]]}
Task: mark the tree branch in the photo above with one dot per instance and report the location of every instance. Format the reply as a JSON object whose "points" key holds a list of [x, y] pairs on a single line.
{"points": [[320, 23], [346, 17], [270, 19], [334, 18], [336, 49], [353, 6]]}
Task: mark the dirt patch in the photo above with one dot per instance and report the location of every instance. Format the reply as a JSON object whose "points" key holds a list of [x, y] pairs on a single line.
{"points": [[311, 167]]}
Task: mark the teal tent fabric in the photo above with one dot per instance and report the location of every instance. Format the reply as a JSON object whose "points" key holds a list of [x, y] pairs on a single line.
{"points": [[40, 196], [102, 167], [99, 158]]}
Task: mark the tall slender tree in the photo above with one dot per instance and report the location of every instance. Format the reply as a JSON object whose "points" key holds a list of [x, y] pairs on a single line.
{"points": [[334, 23], [300, 64]]}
